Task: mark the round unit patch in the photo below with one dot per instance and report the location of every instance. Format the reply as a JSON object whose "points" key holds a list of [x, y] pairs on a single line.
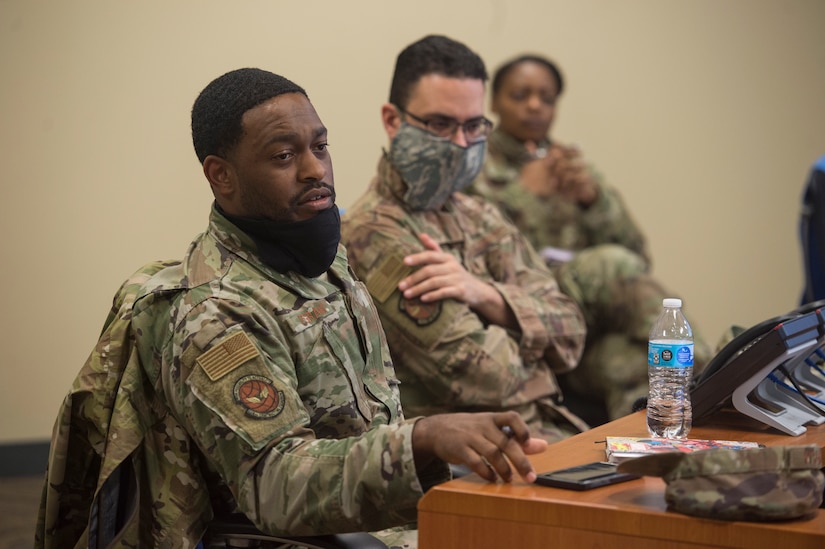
{"points": [[420, 312], [259, 396]]}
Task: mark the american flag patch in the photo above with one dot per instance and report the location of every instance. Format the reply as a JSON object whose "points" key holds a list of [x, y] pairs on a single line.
{"points": [[384, 280], [228, 355]]}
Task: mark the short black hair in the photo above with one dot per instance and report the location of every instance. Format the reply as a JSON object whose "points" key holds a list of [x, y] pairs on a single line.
{"points": [[504, 69], [218, 111], [433, 54]]}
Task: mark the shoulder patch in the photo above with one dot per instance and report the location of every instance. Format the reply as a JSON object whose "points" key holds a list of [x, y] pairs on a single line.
{"points": [[226, 356], [420, 312], [258, 396], [424, 323], [385, 278]]}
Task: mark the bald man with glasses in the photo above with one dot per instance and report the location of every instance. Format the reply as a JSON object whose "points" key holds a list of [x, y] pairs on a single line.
{"points": [[474, 319]]}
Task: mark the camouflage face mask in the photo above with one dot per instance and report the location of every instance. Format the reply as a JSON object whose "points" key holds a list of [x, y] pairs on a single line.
{"points": [[433, 168]]}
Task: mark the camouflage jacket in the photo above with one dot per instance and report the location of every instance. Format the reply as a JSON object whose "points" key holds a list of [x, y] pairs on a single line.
{"points": [[552, 221], [271, 393], [447, 357]]}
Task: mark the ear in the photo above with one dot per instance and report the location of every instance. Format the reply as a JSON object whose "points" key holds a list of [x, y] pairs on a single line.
{"points": [[391, 119], [221, 178]]}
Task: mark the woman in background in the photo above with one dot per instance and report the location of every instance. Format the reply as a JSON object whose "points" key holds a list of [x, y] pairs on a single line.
{"points": [[584, 232]]}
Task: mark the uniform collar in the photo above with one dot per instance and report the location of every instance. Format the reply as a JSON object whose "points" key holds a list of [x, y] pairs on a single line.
{"points": [[511, 148]]}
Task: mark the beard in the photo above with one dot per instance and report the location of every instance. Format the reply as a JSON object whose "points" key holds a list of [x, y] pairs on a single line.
{"points": [[257, 205]]}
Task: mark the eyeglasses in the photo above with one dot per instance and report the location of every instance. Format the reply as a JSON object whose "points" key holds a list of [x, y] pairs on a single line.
{"points": [[475, 129]]}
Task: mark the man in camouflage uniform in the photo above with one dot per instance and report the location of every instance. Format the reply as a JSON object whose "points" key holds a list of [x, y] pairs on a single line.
{"points": [[582, 228], [253, 376], [474, 319]]}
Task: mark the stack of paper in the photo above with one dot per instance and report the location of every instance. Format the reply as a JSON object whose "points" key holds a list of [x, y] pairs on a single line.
{"points": [[619, 449]]}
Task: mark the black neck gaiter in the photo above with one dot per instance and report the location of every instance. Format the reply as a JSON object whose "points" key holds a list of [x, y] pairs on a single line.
{"points": [[307, 247]]}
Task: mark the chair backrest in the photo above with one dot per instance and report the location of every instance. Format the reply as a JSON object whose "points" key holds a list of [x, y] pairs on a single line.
{"points": [[84, 473], [812, 234]]}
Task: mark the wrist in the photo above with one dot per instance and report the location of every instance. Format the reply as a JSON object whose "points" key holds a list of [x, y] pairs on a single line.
{"points": [[422, 446]]}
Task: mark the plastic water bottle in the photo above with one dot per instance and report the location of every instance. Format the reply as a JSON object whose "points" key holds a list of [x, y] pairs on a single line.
{"points": [[670, 368]]}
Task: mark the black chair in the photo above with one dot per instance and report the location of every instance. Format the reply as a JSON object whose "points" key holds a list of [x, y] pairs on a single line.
{"points": [[236, 531], [812, 234]]}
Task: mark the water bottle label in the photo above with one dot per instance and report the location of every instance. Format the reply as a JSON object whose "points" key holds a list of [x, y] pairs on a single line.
{"points": [[674, 355]]}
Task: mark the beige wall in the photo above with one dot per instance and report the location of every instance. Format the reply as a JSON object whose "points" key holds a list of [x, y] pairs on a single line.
{"points": [[707, 114]]}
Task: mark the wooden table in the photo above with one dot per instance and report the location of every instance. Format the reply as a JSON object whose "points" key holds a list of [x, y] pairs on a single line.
{"points": [[469, 512]]}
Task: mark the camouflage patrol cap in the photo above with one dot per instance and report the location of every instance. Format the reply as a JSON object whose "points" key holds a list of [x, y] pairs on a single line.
{"points": [[756, 484]]}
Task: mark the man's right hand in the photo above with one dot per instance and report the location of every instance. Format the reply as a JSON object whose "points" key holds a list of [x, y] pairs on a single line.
{"points": [[486, 442]]}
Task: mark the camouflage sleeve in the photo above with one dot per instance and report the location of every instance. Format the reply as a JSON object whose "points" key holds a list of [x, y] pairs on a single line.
{"points": [[449, 348], [236, 390], [442, 345], [550, 322], [555, 222], [609, 221]]}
